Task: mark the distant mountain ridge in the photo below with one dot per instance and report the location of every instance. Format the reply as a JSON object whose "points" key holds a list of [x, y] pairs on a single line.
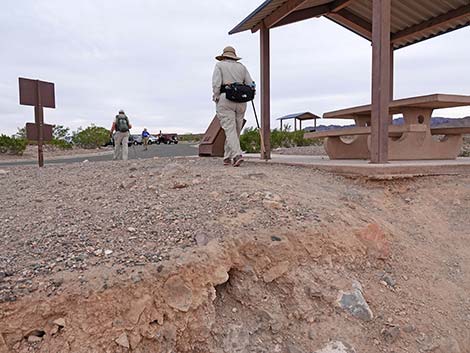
{"points": [[435, 121]]}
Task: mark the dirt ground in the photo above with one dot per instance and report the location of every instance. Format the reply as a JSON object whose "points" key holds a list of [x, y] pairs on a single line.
{"points": [[31, 152], [185, 255]]}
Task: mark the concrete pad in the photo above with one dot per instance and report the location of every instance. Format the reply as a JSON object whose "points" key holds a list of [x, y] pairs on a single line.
{"points": [[391, 170]]}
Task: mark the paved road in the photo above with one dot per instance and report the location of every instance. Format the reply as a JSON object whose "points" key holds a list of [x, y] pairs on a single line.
{"points": [[135, 152]]}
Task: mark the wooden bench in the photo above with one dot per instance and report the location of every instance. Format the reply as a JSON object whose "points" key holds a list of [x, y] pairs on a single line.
{"points": [[413, 140]]}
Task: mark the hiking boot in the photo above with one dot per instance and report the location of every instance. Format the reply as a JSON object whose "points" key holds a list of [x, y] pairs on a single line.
{"points": [[237, 161], [227, 161]]}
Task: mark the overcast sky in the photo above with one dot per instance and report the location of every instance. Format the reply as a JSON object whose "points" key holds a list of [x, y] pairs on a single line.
{"points": [[155, 60]]}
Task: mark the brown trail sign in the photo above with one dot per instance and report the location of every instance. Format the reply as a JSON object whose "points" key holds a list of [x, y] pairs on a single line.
{"points": [[39, 94]]}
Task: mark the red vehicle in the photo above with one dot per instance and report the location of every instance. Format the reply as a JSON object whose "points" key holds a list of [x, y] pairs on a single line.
{"points": [[167, 139]]}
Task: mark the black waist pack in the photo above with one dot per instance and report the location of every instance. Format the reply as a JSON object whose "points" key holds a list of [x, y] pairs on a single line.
{"points": [[238, 92]]}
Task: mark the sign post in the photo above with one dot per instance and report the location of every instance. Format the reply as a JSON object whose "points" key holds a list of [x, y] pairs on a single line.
{"points": [[39, 94]]}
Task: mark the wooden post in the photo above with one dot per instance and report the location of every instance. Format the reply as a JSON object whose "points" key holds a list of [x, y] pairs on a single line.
{"points": [[265, 91], [392, 72], [381, 16], [39, 119]]}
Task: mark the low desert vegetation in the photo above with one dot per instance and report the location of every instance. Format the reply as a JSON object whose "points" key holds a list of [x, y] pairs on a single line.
{"points": [[250, 140], [91, 137], [12, 145]]}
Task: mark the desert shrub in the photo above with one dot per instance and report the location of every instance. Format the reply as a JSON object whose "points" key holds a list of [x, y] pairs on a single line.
{"points": [[250, 140], [12, 145], [59, 143], [190, 137], [91, 137]]}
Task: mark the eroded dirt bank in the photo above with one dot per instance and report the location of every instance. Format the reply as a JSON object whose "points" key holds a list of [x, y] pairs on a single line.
{"points": [[202, 258]]}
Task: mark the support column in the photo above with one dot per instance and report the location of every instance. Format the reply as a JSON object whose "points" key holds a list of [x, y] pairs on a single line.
{"points": [[265, 91], [392, 72], [381, 75]]}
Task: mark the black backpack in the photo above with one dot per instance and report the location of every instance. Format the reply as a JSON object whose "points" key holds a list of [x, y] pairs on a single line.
{"points": [[239, 92]]}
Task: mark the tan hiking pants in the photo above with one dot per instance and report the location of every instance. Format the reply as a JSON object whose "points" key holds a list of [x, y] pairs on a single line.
{"points": [[231, 116], [121, 149]]}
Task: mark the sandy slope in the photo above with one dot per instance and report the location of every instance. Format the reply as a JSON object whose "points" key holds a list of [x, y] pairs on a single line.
{"points": [[185, 255]]}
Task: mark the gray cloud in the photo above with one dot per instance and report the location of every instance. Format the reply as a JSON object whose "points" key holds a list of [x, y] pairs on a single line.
{"points": [[155, 59]]}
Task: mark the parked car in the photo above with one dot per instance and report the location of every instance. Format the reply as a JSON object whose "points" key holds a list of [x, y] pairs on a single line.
{"points": [[168, 139], [153, 139], [135, 139]]}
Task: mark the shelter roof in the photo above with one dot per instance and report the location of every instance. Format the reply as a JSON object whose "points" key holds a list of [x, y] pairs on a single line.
{"points": [[300, 116], [412, 21]]}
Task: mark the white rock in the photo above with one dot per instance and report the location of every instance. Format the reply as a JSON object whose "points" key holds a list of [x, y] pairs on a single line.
{"points": [[60, 322], [108, 252], [336, 347], [131, 230], [3, 172], [123, 341]]}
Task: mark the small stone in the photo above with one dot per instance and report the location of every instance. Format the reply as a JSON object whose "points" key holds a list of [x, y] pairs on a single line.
{"points": [[201, 239], [136, 278], [108, 252], [123, 341], [34, 339], [449, 345], [276, 271], [275, 238], [85, 161], [234, 310], [409, 328], [391, 333], [3, 172], [337, 347], [389, 280], [355, 303], [60, 322], [131, 230], [292, 348], [178, 294], [273, 205], [311, 334], [98, 252]]}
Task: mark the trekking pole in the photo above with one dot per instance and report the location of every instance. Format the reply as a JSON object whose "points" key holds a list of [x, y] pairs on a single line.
{"points": [[263, 147]]}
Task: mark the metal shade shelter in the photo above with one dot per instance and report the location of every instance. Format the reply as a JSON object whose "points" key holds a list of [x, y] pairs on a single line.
{"points": [[388, 24], [300, 117]]}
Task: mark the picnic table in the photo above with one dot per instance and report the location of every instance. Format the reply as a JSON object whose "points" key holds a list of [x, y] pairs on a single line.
{"points": [[415, 139]]}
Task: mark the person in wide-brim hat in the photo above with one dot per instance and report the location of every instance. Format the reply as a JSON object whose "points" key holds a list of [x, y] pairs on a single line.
{"points": [[228, 53], [229, 70]]}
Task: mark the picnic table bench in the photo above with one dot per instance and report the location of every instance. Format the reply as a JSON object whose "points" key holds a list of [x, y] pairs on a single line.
{"points": [[412, 140]]}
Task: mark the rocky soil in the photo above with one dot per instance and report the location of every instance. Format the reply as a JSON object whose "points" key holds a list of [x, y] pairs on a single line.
{"points": [[185, 255], [31, 153]]}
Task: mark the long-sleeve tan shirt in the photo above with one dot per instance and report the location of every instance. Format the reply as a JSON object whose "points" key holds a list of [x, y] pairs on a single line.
{"points": [[226, 72]]}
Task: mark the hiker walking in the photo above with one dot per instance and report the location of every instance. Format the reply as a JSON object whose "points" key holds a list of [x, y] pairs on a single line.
{"points": [[230, 77], [145, 138], [121, 138]]}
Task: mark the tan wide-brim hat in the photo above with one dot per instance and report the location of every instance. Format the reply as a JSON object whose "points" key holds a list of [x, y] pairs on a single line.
{"points": [[230, 53]]}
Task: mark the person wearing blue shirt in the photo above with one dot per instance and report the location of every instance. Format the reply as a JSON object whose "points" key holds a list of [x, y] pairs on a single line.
{"points": [[145, 139]]}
